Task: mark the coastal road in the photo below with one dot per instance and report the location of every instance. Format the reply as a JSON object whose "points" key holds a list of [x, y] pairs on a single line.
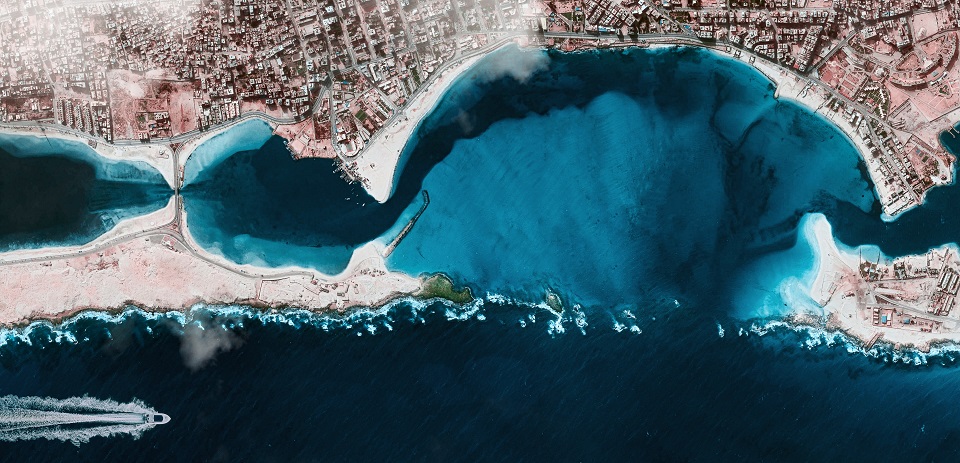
{"points": [[169, 229], [508, 37], [504, 37], [96, 247], [172, 228]]}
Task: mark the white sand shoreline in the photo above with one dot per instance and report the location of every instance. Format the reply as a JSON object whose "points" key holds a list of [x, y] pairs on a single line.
{"points": [[379, 160], [842, 292], [189, 148], [813, 98], [122, 230], [157, 271], [142, 262]]}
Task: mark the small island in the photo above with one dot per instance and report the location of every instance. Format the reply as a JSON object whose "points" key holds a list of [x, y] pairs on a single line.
{"points": [[889, 84]]}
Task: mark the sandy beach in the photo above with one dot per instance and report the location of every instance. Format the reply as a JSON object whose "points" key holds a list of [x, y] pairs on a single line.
{"points": [[834, 285], [815, 98], [362, 256], [158, 272], [833, 265], [124, 229], [144, 263], [841, 292], [153, 261], [378, 160], [189, 149]]}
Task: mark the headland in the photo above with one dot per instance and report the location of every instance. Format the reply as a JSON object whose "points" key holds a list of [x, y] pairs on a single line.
{"points": [[153, 261], [907, 302], [143, 260]]}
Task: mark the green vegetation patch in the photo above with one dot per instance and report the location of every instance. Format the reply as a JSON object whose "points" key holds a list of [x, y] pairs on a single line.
{"points": [[554, 302], [416, 76], [441, 286]]}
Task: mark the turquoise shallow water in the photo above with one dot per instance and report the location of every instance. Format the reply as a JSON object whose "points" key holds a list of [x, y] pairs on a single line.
{"points": [[664, 191], [262, 207], [614, 178], [668, 187], [60, 193]]}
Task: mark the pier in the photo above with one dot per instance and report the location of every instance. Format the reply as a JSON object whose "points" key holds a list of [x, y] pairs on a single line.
{"points": [[873, 340], [409, 226]]}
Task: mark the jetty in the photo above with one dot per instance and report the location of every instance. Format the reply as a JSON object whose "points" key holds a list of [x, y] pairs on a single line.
{"points": [[409, 226], [873, 340]]}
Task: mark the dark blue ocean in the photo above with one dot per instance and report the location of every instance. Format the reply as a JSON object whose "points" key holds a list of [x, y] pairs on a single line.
{"points": [[661, 194], [466, 390]]}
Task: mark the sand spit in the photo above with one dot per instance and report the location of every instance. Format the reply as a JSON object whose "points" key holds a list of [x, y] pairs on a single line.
{"points": [[153, 261], [158, 271], [847, 296]]}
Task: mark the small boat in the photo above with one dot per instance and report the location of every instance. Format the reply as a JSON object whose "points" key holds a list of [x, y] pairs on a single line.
{"points": [[156, 418]]}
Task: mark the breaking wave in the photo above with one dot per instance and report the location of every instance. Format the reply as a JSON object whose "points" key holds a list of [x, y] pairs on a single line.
{"points": [[816, 338], [493, 307], [206, 331]]}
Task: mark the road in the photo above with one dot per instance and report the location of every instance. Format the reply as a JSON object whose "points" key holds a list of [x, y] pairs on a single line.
{"points": [[158, 231], [181, 138], [426, 84], [171, 229]]}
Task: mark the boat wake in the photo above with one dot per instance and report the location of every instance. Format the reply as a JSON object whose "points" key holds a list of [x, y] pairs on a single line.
{"points": [[77, 419], [208, 331]]}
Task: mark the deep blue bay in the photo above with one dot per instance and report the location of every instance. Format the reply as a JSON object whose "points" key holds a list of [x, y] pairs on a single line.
{"points": [[60, 193], [676, 176], [660, 193], [657, 189], [259, 206]]}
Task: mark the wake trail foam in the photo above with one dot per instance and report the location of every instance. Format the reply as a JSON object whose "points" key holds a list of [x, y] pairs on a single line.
{"points": [[75, 420]]}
